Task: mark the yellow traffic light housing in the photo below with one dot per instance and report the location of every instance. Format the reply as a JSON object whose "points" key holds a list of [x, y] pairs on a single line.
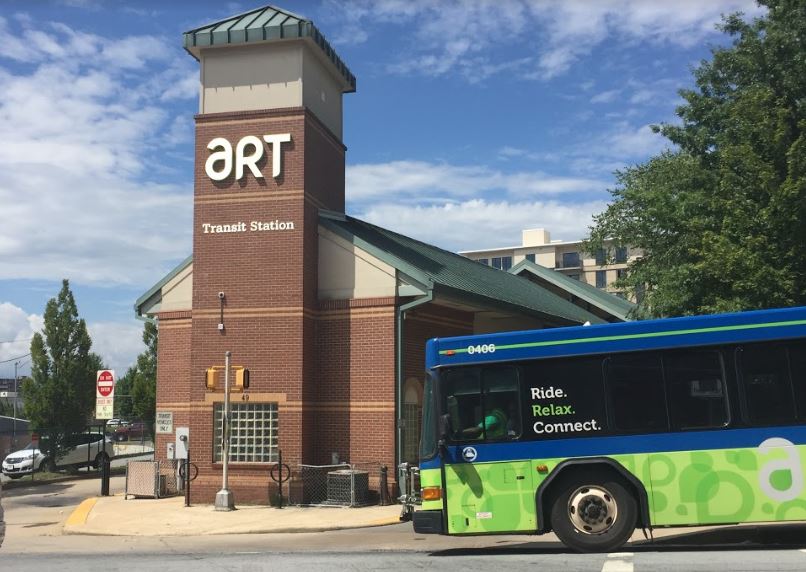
{"points": [[211, 378], [214, 378], [241, 378]]}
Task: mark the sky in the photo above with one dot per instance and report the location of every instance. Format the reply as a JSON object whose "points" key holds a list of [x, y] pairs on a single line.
{"points": [[472, 121]]}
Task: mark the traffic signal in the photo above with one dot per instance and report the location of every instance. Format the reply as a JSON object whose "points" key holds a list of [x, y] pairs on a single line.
{"points": [[211, 378], [241, 379]]}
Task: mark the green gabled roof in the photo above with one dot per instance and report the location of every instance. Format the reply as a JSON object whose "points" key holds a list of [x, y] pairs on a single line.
{"points": [[611, 304], [452, 273], [156, 289], [260, 25]]}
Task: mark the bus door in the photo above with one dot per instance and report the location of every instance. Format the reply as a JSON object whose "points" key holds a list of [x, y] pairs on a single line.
{"points": [[487, 487]]}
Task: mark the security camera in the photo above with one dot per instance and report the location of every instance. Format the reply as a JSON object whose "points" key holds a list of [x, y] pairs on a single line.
{"points": [[220, 295]]}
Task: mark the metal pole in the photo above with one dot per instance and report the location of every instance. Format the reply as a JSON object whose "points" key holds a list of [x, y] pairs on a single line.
{"points": [[223, 498], [14, 421]]}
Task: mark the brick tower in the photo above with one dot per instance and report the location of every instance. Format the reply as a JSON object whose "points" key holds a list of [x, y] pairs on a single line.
{"points": [[268, 156]]}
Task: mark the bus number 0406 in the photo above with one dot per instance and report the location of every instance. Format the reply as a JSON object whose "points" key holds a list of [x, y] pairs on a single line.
{"points": [[481, 349]]}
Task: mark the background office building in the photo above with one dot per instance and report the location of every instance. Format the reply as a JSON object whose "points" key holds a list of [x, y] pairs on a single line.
{"points": [[599, 269]]}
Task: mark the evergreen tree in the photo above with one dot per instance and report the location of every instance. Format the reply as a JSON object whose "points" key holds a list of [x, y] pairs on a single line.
{"points": [[59, 396], [722, 217]]}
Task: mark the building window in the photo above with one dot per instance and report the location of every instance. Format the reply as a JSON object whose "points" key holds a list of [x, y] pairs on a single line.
{"points": [[601, 278], [570, 260], [530, 257], [621, 273], [601, 257], [621, 254], [484, 261], [253, 432], [502, 263]]}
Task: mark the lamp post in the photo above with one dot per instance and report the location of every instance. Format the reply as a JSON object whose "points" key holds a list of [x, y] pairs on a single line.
{"points": [[223, 498], [14, 421]]}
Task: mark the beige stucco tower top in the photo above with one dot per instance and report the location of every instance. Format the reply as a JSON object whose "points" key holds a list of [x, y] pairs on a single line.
{"points": [[269, 58]]}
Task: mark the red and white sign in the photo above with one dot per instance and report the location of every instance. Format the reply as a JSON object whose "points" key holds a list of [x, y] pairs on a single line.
{"points": [[104, 394], [105, 383]]}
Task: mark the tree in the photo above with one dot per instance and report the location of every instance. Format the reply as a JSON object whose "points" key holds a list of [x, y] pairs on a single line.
{"points": [[722, 217], [123, 395], [60, 394], [142, 378]]}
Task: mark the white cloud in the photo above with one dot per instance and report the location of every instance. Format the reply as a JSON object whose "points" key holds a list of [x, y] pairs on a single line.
{"points": [[606, 96], [76, 184], [118, 344], [475, 224], [630, 142], [16, 330], [429, 182], [463, 36]]}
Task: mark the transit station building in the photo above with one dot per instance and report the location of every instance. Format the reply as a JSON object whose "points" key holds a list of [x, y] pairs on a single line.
{"points": [[328, 312]]}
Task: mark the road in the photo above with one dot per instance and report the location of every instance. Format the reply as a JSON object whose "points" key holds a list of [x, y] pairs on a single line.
{"points": [[35, 516]]}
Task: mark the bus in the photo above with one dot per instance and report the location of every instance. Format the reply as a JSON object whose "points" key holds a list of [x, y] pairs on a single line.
{"points": [[594, 431]]}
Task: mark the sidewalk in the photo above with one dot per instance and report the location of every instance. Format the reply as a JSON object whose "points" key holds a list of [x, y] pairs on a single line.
{"points": [[115, 516]]}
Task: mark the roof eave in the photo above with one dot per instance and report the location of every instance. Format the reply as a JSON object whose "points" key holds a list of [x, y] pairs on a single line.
{"points": [[155, 289]]}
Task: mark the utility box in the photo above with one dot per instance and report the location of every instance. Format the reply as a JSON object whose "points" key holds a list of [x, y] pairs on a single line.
{"points": [[348, 487], [182, 442]]}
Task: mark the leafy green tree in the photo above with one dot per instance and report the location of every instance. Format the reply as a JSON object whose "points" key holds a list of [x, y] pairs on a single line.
{"points": [[722, 217], [144, 379], [60, 394], [123, 395]]}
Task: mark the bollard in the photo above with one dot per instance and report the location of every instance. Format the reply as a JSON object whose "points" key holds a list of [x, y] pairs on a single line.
{"points": [[384, 486], [187, 480], [105, 472]]}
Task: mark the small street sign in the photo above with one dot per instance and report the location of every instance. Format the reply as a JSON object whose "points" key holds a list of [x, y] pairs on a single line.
{"points": [[165, 422], [105, 394]]}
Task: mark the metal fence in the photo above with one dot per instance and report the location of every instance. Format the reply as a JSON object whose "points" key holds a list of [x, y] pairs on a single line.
{"points": [[344, 484]]}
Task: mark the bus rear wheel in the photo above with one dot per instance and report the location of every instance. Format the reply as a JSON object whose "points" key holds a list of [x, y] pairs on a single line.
{"points": [[592, 515]]}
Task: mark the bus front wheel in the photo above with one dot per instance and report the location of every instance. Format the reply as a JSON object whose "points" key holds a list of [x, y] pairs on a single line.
{"points": [[592, 515]]}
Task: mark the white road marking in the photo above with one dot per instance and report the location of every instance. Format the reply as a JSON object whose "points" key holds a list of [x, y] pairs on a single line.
{"points": [[618, 562]]}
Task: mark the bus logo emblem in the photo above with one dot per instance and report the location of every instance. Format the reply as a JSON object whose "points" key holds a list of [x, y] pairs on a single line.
{"points": [[469, 454]]}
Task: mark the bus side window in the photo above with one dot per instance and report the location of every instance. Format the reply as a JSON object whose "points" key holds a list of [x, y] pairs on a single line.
{"points": [[696, 390], [636, 395], [764, 375], [463, 402], [797, 365], [502, 419]]}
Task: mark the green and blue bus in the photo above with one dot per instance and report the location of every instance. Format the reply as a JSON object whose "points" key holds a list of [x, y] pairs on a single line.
{"points": [[594, 431]]}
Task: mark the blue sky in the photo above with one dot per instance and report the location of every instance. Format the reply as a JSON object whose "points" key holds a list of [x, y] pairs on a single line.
{"points": [[472, 121]]}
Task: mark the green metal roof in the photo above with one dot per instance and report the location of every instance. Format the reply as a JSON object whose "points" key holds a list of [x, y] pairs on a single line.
{"points": [[452, 273], [611, 304], [260, 25]]}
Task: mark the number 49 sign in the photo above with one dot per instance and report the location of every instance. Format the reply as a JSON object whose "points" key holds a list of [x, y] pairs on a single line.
{"points": [[104, 393]]}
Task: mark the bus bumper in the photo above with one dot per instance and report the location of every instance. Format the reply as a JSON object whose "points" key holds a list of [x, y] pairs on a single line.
{"points": [[428, 522]]}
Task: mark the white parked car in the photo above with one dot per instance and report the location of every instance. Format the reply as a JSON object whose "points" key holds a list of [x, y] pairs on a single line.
{"points": [[83, 450], [23, 462]]}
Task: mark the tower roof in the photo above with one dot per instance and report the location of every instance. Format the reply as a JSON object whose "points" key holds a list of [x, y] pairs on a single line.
{"points": [[265, 24]]}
